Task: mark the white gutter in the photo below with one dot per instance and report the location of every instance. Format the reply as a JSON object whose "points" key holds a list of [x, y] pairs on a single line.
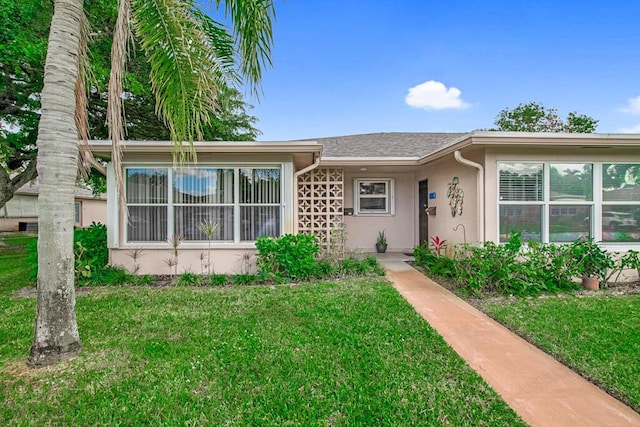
{"points": [[480, 190], [312, 166]]}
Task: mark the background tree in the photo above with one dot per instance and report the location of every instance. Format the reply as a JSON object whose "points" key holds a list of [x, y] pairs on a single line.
{"points": [[24, 28], [191, 58], [534, 117]]}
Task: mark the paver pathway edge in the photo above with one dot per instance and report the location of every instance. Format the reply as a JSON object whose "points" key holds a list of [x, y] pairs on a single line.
{"points": [[539, 388]]}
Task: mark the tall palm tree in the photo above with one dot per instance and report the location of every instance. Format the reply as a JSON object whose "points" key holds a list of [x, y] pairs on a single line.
{"points": [[56, 331], [191, 56]]}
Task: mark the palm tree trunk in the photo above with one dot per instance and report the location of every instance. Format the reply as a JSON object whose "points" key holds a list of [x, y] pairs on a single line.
{"points": [[56, 330]]}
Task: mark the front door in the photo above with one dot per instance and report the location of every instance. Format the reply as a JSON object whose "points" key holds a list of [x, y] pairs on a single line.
{"points": [[423, 220]]}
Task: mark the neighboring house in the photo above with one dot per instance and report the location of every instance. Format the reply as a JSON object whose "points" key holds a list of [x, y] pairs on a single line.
{"points": [[21, 212], [478, 186]]}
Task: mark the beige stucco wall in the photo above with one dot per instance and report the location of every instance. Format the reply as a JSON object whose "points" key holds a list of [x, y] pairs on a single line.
{"points": [[24, 208], [362, 230], [152, 261], [11, 224], [439, 174], [92, 210], [20, 208]]}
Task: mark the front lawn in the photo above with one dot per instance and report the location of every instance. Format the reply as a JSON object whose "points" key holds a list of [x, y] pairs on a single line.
{"points": [[14, 269], [351, 352], [599, 337]]}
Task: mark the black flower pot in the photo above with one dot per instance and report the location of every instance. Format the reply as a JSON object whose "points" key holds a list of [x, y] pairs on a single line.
{"points": [[381, 248]]}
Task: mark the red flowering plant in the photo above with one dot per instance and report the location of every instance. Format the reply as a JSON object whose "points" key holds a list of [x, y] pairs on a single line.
{"points": [[438, 244]]}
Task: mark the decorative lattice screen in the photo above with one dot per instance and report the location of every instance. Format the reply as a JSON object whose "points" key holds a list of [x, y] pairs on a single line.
{"points": [[320, 198]]}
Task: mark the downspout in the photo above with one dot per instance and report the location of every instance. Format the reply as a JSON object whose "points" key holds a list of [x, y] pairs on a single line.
{"points": [[480, 190], [315, 164]]}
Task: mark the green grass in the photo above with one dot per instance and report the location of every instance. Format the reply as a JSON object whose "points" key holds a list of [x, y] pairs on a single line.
{"points": [[599, 337], [14, 271], [332, 353]]}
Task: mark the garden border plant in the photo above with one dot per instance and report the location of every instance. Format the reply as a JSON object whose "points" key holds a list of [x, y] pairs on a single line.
{"points": [[288, 258], [294, 257], [517, 269]]}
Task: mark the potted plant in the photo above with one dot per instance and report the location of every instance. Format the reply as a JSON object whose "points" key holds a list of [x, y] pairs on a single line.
{"points": [[592, 262], [381, 242]]}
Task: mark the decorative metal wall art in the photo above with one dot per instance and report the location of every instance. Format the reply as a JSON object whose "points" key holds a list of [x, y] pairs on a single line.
{"points": [[456, 197]]}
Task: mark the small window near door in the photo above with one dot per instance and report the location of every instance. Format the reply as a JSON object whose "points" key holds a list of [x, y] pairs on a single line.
{"points": [[374, 196], [78, 212]]}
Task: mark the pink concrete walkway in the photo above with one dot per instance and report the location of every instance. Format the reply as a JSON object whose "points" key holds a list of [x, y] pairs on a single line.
{"points": [[541, 390]]}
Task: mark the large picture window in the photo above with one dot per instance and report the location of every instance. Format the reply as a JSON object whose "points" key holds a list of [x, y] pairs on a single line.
{"points": [[244, 203], [620, 202], [374, 196], [558, 202]]}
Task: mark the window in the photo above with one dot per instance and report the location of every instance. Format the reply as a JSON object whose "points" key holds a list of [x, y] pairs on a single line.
{"points": [[556, 202], [374, 196], [244, 203], [201, 194], [259, 203], [521, 196], [620, 202], [78, 212], [570, 201]]}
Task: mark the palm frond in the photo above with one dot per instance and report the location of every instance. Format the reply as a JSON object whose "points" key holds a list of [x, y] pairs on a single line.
{"points": [[85, 158], [222, 42], [187, 69], [115, 109], [253, 31]]}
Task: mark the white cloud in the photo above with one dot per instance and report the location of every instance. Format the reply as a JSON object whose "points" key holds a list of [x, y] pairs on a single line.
{"points": [[632, 129], [633, 106], [433, 95]]}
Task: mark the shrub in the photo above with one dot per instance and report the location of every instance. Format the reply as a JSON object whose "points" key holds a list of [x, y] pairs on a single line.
{"points": [[592, 259], [288, 257], [549, 267], [443, 266], [490, 267], [427, 256], [145, 279], [90, 251], [109, 276], [325, 269], [218, 280], [245, 279], [188, 278], [424, 256], [631, 260], [511, 270], [352, 266]]}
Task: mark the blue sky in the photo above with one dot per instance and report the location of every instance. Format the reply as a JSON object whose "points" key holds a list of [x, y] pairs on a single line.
{"points": [[346, 66]]}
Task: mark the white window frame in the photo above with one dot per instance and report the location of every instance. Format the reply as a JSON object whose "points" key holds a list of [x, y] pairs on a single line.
{"points": [[170, 205], [596, 204], [389, 196]]}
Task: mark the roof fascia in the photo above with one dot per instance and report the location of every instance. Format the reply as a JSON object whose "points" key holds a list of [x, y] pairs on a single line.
{"points": [[458, 144], [535, 139], [212, 147], [556, 138]]}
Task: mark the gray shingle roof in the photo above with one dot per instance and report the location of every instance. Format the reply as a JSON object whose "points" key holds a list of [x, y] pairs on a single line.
{"points": [[386, 144]]}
